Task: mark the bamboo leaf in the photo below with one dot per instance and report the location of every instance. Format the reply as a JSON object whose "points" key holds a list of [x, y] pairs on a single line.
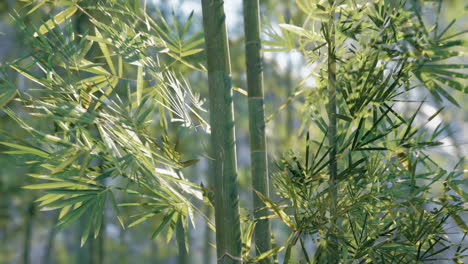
{"points": [[140, 83], [64, 211], [49, 198], [69, 202], [141, 219], [58, 19], [190, 52], [279, 212], [27, 150], [38, 5], [51, 185], [72, 216], [7, 94], [270, 253], [164, 222], [106, 53], [28, 75], [116, 210]]}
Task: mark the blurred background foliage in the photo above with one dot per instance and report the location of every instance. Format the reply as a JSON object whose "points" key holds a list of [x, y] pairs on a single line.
{"points": [[28, 236]]}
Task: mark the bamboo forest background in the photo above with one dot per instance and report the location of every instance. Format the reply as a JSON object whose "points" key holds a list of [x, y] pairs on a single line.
{"points": [[29, 235]]}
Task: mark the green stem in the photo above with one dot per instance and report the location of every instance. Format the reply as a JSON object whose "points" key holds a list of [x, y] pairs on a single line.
{"points": [[256, 122], [334, 258], [289, 82], [289, 108], [223, 148]]}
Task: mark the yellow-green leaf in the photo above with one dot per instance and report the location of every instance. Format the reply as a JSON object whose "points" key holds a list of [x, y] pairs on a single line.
{"points": [[267, 254], [6, 95], [50, 185], [190, 52], [140, 84], [27, 150], [279, 212], [106, 53], [58, 19]]}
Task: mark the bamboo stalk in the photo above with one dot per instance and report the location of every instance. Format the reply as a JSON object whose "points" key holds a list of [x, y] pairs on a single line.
{"points": [[289, 81], [333, 254], [332, 103], [223, 149], [258, 156], [289, 108]]}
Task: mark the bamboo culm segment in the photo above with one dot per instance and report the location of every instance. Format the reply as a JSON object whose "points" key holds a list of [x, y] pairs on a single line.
{"points": [[258, 156], [223, 150], [333, 253]]}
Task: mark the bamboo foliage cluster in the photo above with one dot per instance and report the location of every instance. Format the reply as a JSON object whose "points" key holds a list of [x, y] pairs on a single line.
{"points": [[361, 191], [101, 147]]}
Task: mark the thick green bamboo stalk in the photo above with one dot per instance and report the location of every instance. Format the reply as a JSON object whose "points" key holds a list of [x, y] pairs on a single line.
{"points": [[258, 155], [289, 81], [223, 148], [332, 104], [333, 254], [289, 92]]}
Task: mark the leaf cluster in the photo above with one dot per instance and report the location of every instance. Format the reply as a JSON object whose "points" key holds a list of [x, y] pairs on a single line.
{"points": [[98, 92], [386, 210]]}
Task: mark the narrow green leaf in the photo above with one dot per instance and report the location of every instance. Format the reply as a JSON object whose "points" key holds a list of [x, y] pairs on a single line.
{"points": [[270, 253], [87, 228], [69, 202], [164, 222], [64, 211], [140, 83], [116, 209], [279, 212], [6, 95], [72, 216], [190, 52], [51, 185], [106, 53], [28, 150], [58, 19], [41, 3], [141, 219], [49, 198]]}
